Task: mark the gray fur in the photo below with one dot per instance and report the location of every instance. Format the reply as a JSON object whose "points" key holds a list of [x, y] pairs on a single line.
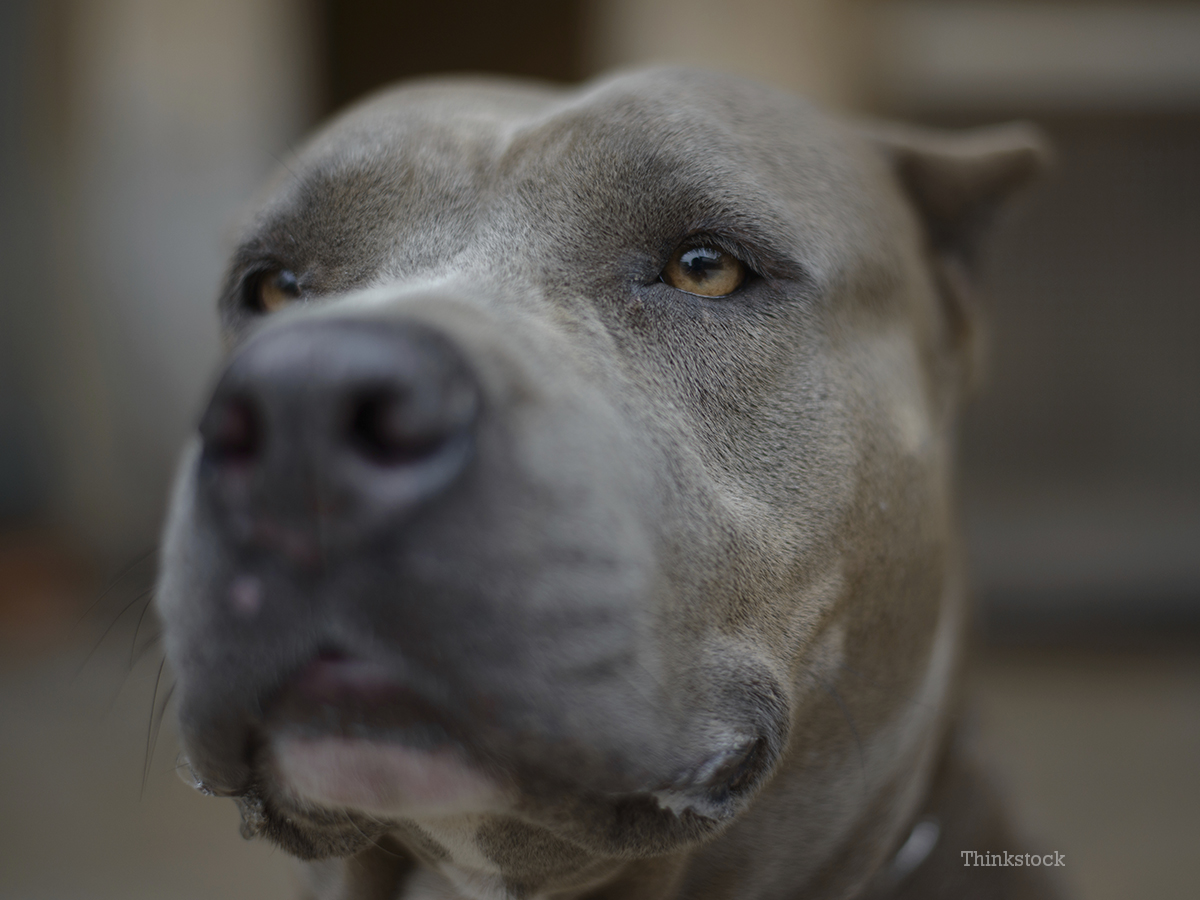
{"points": [[696, 600]]}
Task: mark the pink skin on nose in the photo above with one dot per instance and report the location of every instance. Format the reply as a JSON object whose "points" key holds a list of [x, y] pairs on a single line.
{"points": [[246, 594]]}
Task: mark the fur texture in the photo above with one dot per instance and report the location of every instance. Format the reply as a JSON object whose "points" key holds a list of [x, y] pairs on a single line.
{"points": [[685, 619]]}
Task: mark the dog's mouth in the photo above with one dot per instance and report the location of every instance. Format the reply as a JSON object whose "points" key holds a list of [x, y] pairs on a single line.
{"points": [[343, 694], [350, 733], [351, 747]]}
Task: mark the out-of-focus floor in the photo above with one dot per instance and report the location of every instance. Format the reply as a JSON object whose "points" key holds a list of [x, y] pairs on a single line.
{"points": [[76, 822], [1100, 751], [1100, 754]]}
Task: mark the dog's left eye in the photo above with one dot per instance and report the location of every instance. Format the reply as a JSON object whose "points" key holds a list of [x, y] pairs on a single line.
{"points": [[704, 270], [273, 290]]}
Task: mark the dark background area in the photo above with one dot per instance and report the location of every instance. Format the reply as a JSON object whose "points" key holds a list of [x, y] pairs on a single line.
{"points": [[1080, 455], [369, 43]]}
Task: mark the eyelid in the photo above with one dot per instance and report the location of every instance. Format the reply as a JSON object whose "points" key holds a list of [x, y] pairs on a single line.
{"points": [[699, 240], [762, 256]]}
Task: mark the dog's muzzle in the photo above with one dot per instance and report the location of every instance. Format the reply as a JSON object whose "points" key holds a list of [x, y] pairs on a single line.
{"points": [[383, 594]]}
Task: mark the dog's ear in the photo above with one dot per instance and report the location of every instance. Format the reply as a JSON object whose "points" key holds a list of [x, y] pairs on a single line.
{"points": [[958, 181]]}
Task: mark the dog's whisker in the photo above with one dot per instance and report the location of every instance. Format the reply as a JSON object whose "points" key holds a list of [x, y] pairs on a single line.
{"points": [[386, 836], [138, 628], [114, 581], [162, 712], [155, 640], [156, 716], [96, 646], [288, 168], [374, 841], [638, 686]]}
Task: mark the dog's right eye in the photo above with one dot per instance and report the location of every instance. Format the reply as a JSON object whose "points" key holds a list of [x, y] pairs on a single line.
{"points": [[704, 271], [272, 290]]}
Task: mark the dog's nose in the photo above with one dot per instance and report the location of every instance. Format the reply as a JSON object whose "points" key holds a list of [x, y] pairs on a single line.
{"points": [[338, 420]]}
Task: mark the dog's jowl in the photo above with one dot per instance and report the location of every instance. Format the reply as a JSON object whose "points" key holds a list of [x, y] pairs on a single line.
{"points": [[573, 518]]}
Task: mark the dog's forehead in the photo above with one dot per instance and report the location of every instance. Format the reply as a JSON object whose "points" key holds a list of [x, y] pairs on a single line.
{"points": [[679, 107], [550, 179], [460, 135]]}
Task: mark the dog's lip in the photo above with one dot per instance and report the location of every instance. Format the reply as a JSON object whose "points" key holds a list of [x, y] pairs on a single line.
{"points": [[333, 677], [337, 693], [383, 777], [350, 732]]}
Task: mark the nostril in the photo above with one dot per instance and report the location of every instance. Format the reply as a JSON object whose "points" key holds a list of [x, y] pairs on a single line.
{"points": [[232, 431], [387, 428]]}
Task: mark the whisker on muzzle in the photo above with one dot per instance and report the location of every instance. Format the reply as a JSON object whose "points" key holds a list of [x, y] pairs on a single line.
{"points": [[157, 712], [115, 581]]}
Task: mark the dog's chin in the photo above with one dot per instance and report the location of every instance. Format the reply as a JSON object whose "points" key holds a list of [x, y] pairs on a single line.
{"points": [[382, 778], [347, 733], [305, 830], [346, 750], [322, 796]]}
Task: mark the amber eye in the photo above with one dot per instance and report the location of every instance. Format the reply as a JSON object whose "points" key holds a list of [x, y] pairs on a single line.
{"points": [[275, 289], [706, 271]]}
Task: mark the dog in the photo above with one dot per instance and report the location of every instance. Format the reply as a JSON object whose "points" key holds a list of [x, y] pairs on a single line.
{"points": [[573, 515]]}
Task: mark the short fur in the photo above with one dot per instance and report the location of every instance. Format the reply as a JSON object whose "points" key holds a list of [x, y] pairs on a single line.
{"points": [[696, 601]]}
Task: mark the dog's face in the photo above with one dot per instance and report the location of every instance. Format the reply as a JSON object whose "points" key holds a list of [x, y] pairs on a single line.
{"points": [[577, 485]]}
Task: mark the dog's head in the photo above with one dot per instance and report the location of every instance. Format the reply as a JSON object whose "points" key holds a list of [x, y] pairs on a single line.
{"points": [[578, 481]]}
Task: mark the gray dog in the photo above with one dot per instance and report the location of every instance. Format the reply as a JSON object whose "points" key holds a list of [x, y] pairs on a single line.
{"points": [[573, 515]]}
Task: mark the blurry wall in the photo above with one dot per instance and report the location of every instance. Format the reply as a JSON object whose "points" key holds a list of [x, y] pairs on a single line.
{"points": [[814, 47], [1082, 455], [138, 129], [133, 131], [368, 43], [22, 227]]}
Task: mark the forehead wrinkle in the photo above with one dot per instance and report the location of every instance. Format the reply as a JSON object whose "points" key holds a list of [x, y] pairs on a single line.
{"points": [[652, 194], [677, 169], [364, 203], [668, 170]]}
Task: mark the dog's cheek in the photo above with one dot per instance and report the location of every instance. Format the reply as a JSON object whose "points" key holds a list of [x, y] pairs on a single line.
{"points": [[175, 562], [736, 720], [220, 664], [181, 582]]}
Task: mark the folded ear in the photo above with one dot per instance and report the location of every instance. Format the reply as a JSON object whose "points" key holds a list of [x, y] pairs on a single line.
{"points": [[958, 181]]}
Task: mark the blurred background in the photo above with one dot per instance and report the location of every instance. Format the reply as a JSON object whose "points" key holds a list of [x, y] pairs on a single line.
{"points": [[133, 132]]}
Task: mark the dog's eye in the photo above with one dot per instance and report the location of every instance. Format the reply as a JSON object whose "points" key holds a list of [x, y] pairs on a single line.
{"points": [[273, 290], [705, 271]]}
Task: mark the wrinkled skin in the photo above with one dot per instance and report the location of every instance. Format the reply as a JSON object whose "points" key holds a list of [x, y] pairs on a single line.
{"points": [[680, 614]]}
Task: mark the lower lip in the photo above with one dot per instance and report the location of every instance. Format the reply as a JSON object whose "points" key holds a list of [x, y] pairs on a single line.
{"points": [[381, 777], [372, 775]]}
